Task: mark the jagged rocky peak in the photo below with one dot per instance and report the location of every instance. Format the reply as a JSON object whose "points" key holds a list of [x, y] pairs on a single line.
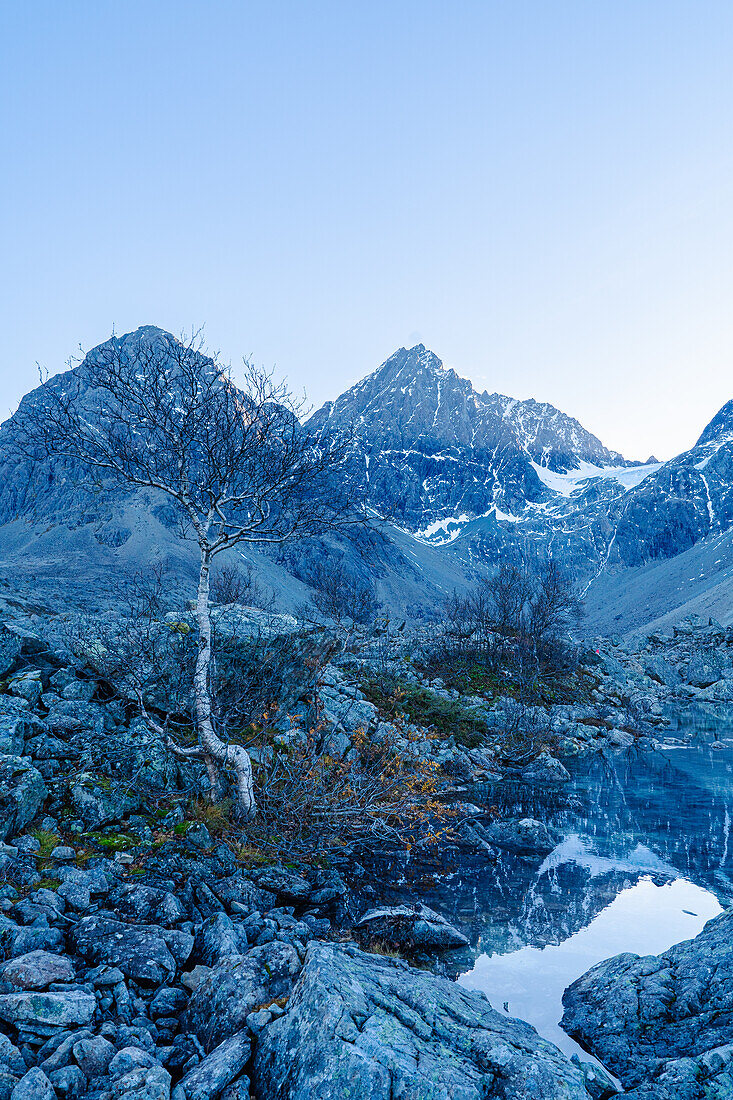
{"points": [[56, 487], [413, 401], [719, 427]]}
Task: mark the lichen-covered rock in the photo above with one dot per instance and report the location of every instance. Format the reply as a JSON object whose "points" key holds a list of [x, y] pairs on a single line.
{"points": [[360, 1025], [34, 1085], [22, 792], [636, 1014], [211, 1076], [146, 953], [709, 1077], [64, 1009], [37, 970], [225, 996]]}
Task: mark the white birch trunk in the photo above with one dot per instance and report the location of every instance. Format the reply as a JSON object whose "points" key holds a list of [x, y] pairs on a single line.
{"points": [[217, 753]]}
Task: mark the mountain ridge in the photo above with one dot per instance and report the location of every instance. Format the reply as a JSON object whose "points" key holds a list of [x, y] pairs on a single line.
{"points": [[467, 480]]}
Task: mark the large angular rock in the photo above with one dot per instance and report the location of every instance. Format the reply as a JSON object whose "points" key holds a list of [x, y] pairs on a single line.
{"points": [[703, 670], [211, 1077], [9, 650], [37, 970], [225, 997], [286, 885], [140, 904], [360, 1025], [22, 792], [709, 1077], [637, 1014], [409, 927], [97, 805], [65, 1009], [34, 1085], [659, 669], [148, 954]]}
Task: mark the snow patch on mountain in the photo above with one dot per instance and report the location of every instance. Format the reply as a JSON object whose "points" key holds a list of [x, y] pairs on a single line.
{"points": [[567, 483]]}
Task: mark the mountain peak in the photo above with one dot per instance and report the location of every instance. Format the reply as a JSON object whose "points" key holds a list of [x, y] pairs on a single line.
{"points": [[721, 425]]}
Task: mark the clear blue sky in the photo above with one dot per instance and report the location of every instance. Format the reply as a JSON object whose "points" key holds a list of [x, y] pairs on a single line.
{"points": [[542, 192]]}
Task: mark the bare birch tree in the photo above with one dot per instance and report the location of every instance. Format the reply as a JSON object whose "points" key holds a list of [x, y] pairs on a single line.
{"points": [[154, 412]]}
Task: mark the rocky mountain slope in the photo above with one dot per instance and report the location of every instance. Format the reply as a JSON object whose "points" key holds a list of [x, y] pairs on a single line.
{"points": [[495, 478], [463, 479], [436, 453]]}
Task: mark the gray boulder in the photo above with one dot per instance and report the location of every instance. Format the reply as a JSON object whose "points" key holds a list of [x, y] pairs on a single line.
{"points": [[148, 954], [97, 805], [69, 1083], [140, 904], [32, 1010], [360, 1025], [9, 650], [34, 1085], [22, 792], [286, 885], [709, 1077], [211, 1076], [37, 970], [409, 927], [93, 1055], [637, 1014], [11, 1057], [225, 996], [16, 725], [657, 668], [144, 1083], [703, 670]]}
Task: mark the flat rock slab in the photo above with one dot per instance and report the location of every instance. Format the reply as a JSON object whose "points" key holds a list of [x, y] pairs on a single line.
{"points": [[37, 970], [48, 1009], [365, 1027], [638, 1013]]}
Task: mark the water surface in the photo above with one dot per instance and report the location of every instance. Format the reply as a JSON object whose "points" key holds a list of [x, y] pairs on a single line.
{"points": [[644, 859]]}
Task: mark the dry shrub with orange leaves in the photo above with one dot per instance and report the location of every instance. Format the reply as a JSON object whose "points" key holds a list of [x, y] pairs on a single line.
{"points": [[313, 800]]}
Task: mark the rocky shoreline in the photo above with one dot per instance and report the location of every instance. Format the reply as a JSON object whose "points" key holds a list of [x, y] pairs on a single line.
{"points": [[143, 957]]}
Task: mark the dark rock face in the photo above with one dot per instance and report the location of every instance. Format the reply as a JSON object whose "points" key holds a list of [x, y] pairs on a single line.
{"points": [[639, 1016], [359, 1025]]}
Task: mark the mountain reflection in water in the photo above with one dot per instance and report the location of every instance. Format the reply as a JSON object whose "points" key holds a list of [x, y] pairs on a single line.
{"points": [[645, 860]]}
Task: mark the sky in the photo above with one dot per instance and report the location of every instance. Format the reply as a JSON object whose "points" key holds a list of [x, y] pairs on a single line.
{"points": [[541, 191]]}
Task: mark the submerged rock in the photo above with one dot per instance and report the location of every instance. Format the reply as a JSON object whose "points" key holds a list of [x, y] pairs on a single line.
{"points": [[525, 837], [360, 1025]]}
